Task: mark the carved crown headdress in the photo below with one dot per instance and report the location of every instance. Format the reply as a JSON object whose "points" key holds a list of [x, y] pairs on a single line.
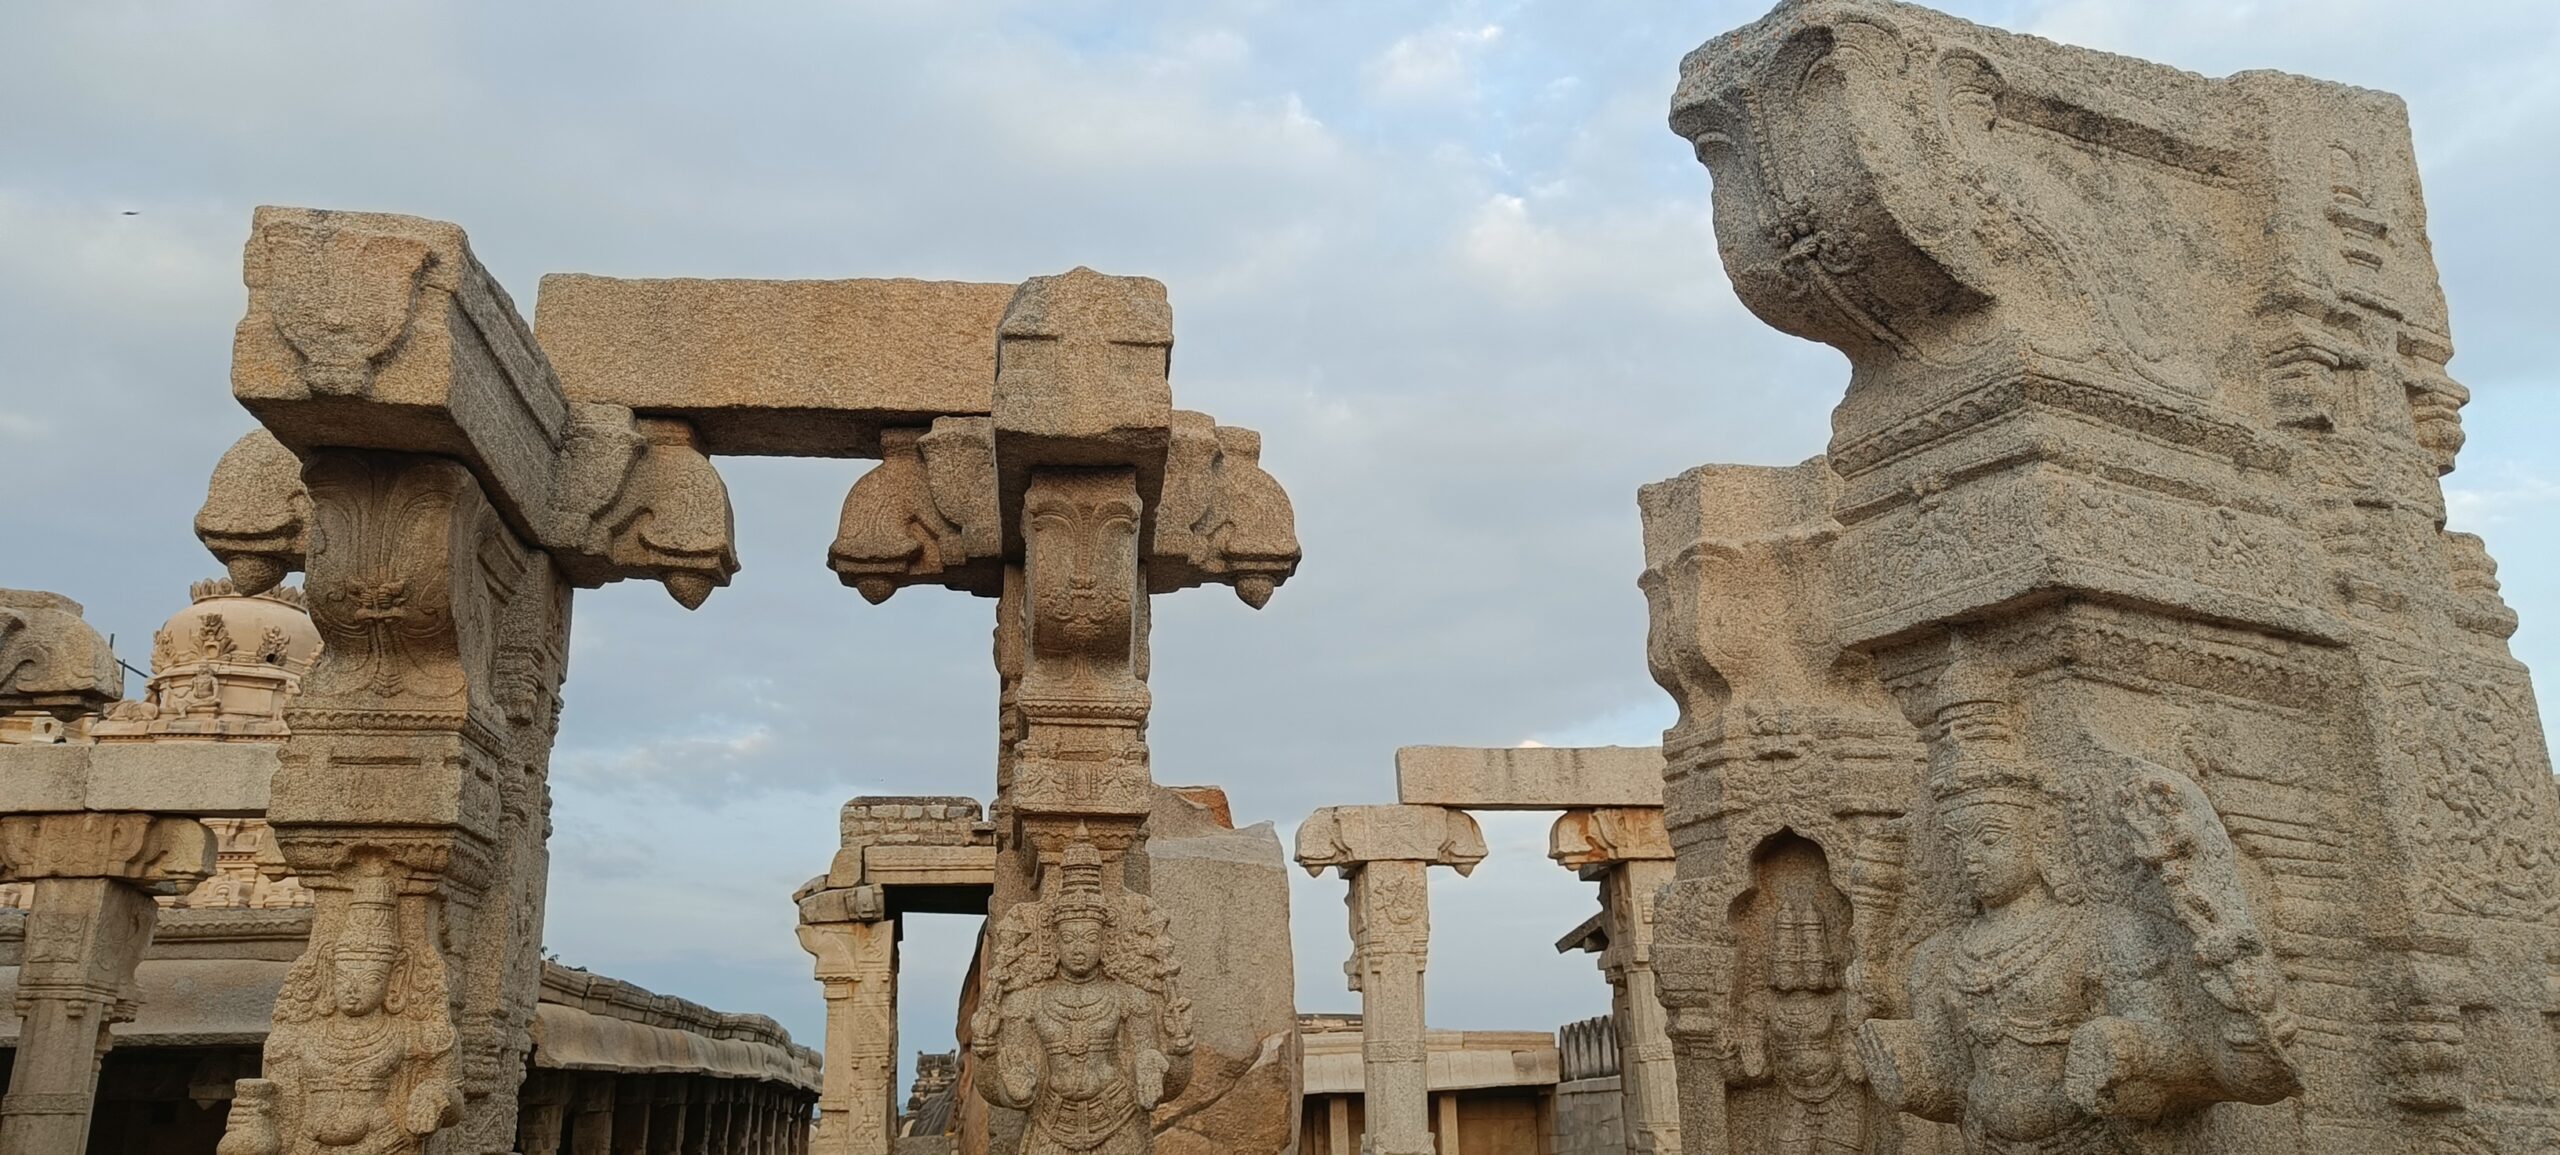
{"points": [[372, 929], [1079, 893]]}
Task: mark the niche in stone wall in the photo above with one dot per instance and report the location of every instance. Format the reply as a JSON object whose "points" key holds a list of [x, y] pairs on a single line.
{"points": [[1795, 1087]]}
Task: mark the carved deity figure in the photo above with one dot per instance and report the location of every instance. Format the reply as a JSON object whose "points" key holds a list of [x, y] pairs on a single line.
{"points": [[2051, 1022], [1087, 1031], [362, 1051], [1793, 1025]]}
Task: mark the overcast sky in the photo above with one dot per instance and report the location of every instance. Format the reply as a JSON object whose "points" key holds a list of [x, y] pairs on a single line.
{"points": [[1445, 256]]}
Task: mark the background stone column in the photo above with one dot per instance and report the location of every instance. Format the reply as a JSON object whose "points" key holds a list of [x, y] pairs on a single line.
{"points": [[1385, 853], [95, 875], [857, 965], [1625, 850]]}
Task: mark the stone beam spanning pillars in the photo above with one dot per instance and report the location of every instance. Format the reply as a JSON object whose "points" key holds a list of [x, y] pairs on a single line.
{"points": [[2139, 522], [1625, 850], [1529, 777], [420, 463], [95, 876], [1385, 853]]}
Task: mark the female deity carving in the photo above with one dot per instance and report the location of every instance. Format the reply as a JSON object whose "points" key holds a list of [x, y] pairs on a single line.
{"points": [[362, 1052], [1087, 1030], [2051, 1022]]}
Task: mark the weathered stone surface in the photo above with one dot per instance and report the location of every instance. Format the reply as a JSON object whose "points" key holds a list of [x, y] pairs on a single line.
{"points": [[51, 662], [1385, 853], [929, 513], [379, 331], [1085, 1028], [1226, 893], [221, 669], [93, 875], [2234, 793], [1626, 851], [1529, 777], [1345, 837], [202, 778], [785, 368]]}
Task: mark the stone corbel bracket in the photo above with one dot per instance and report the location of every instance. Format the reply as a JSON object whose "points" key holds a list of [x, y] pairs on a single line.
{"points": [[51, 659], [377, 331], [1346, 837], [928, 514], [1081, 382], [156, 853], [1598, 838]]}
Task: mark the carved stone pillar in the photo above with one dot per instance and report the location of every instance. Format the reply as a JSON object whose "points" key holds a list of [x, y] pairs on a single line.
{"points": [[449, 496], [95, 875], [1386, 853], [543, 1112], [592, 1107], [671, 1109], [632, 1107], [2139, 520], [1625, 850], [1784, 776], [857, 965]]}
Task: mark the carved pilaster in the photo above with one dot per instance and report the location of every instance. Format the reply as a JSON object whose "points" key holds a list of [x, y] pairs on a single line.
{"points": [[1080, 772], [1787, 763], [1627, 852], [857, 966], [392, 804], [1385, 853], [95, 878]]}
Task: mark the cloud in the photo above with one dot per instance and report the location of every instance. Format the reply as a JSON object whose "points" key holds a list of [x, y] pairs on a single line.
{"points": [[1436, 63]]}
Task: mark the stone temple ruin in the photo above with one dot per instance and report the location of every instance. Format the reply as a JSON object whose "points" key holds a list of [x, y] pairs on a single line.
{"points": [[2100, 747]]}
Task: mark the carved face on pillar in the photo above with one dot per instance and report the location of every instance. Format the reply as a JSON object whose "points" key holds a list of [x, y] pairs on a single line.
{"points": [[362, 980], [1082, 592], [1079, 947], [1997, 843]]}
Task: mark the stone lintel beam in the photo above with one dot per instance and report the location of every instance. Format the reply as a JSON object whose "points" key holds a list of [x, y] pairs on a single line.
{"points": [[202, 779], [94, 875], [153, 853], [1529, 777], [784, 368], [383, 332], [1349, 837], [1598, 839], [51, 659]]}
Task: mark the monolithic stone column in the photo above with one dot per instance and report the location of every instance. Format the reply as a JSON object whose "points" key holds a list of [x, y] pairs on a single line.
{"points": [[1386, 853], [670, 1110], [2230, 773], [95, 875], [857, 965], [632, 1108], [591, 1131], [1625, 850], [543, 1109], [424, 467]]}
